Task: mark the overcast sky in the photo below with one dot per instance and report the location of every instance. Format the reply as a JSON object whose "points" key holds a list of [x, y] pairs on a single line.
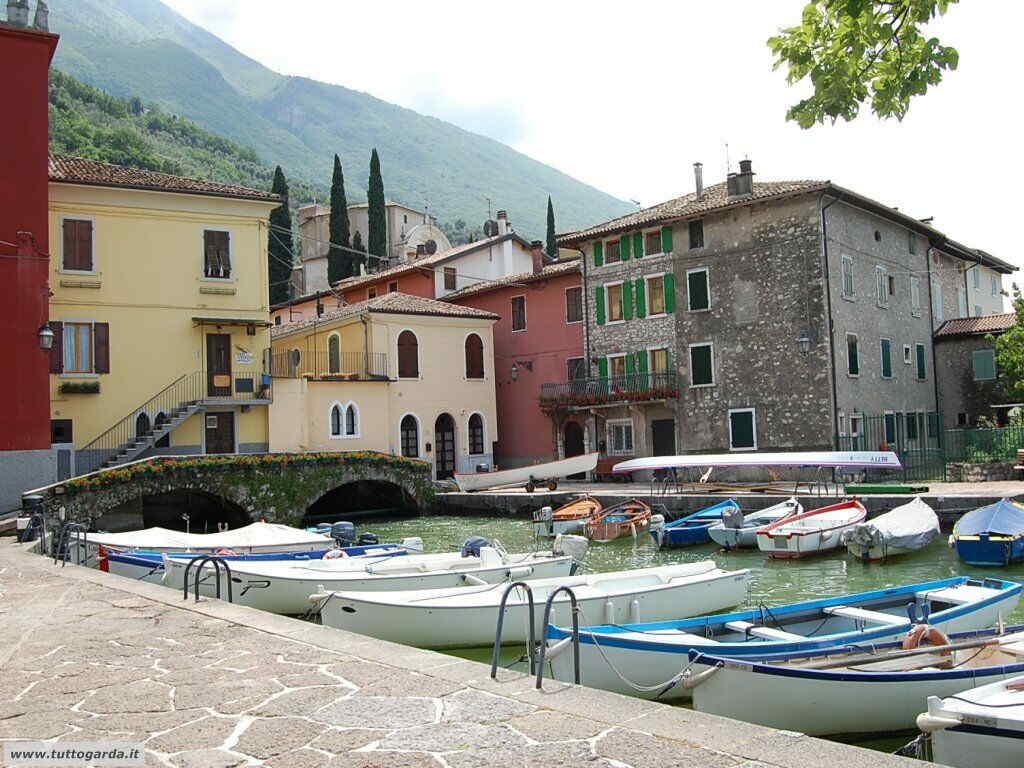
{"points": [[627, 96]]}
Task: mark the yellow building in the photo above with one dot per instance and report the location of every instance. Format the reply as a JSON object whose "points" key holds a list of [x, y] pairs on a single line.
{"points": [[160, 313], [398, 374]]}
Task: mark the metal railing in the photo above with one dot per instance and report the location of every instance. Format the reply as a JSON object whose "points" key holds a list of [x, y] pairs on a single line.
{"points": [[632, 387], [244, 382], [980, 446], [346, 366]]}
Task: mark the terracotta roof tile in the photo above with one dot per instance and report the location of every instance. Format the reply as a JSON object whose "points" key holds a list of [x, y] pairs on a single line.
{"points": [[551, 270], [969, 326], [79, 170]]}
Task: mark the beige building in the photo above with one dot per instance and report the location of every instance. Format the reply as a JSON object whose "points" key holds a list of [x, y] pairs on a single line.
{"points": [[399, 374]]}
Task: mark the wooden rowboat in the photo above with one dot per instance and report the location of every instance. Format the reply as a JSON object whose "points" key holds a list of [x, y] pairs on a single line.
{"points": [[816, 531], [626, 519], [568, 518]]}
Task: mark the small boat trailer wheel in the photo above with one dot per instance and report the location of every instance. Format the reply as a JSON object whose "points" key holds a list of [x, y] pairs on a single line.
{"points": [[552, 485], [530, 487]]}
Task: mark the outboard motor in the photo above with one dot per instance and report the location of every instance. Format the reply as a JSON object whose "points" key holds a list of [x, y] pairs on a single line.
{"points": [[657, 528], [343, 533], [543, 515], [412, 544], [732, 517], [567, 544], [367, 538], [471, 547]]}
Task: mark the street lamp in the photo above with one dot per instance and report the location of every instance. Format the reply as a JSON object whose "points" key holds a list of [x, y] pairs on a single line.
{"points": [[45, 337]]}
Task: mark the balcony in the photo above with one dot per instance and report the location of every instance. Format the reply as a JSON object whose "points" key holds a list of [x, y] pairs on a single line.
{"points": [[323, 366], [613, 390]]}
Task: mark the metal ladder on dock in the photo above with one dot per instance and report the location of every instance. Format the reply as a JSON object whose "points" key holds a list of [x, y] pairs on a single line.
{"points": [[537, 664], [199, 561]]}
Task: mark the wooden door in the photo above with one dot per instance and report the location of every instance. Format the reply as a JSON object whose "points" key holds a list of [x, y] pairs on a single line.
{"points": [[218, 365], [663, 437], [574, 445], [444, 448], [220, 432]]}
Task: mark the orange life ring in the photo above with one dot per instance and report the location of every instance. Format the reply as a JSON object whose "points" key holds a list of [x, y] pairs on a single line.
{"points": [[935, 636], [224, 551]]}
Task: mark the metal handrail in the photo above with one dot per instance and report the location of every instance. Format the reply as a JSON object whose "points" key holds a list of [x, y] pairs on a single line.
{"points": [[531, 647], [296, 364], [630, 386], [64, 541], [575, 610], [199, 561]]}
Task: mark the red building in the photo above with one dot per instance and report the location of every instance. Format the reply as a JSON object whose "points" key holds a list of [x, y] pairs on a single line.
{"points": [[538, 339], [26, 460]]}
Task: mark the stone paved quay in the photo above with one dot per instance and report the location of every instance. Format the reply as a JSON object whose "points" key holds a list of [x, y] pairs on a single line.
{"points": [[86, 656]]}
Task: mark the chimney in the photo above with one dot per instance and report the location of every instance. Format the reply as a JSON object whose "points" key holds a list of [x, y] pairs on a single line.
{"points": [[17, 13], [698, 175], [503, 224], [421, 251], [42, 20], [537, 252], [742, 183]]}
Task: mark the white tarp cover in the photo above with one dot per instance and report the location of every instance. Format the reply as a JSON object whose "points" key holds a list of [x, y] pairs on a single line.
{"points": [[909, 526], [256, 536], [848, 459]]}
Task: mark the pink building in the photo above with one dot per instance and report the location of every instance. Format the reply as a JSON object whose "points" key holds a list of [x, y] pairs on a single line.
{"points": [[538, 339]]}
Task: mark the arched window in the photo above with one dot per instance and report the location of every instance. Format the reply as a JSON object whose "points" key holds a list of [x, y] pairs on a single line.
{"points": [[141, 424], [334, 354], [474, 357], [351, 421], [476, 434], [335, 420], [408, 355], [158, 422], [410, 433]]}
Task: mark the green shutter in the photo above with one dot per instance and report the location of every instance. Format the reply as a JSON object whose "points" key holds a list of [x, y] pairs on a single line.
{"points": [[852, 356], [638, 244], [886, 359], [670, 292], [701, 371], [666, 239], [984, 363], [599, 301], [920, 362], [624, 247], [602, 368], [741, 429], [627, 301], [598, 253], [641, 298], [630, 363], [697, 289], [641, 361]]}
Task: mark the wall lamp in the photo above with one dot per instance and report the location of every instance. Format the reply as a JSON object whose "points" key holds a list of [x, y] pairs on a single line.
{"points": [[527, 364], [807, 337], [46, 337]]}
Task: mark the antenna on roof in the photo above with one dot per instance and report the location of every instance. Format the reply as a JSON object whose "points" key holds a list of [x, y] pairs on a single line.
{"points": [[728, 165]]}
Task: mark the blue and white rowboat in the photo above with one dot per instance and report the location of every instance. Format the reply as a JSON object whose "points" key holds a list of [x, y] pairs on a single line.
{"points": [[692, 529]]}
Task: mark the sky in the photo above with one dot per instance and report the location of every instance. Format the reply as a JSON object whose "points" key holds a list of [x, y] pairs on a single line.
{"points": [[626, 97]]}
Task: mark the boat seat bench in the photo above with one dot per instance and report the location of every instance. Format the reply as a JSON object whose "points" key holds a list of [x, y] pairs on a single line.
{"points": [[766, 633], [862, 614], [959, 595]]}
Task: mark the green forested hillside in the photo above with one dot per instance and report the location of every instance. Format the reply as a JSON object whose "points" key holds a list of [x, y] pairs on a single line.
{"points": [[142, 48]]}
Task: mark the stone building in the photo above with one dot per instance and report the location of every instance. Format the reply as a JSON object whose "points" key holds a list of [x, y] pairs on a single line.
{"points": [[793, 312], [968, 377]]}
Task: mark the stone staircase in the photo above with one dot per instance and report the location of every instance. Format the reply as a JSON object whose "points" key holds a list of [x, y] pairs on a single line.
{"points": [[134, 448]]}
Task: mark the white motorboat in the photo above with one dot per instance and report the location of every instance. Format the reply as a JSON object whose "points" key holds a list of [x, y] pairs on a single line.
{"points": [[285, 587], [466, 617], [978, 728], [530, 477], [654, 655], [907, 528], [871, 689], [819, 530], [739, 531]]}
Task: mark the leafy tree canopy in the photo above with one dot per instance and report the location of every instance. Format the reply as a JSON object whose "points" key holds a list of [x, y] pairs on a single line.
{"points": [[1010, 352], [856, 51]]}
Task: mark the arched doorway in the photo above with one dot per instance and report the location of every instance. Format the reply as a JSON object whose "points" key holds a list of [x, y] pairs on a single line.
{"points": [[141, 424], [444, 446], [573, 445]]}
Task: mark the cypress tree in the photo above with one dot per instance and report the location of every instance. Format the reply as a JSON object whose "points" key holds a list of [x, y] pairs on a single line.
{"points": [[357, 245], [552, 246], [280, 243], [339, 261], [377, 236]]}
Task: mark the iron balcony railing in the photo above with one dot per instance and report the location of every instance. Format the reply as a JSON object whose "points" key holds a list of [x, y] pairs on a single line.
{"points": [[243, 382], [633, 387], [344, 366]]}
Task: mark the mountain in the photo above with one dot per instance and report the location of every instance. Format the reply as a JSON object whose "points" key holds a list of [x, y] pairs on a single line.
{"points": [[142, 48]]}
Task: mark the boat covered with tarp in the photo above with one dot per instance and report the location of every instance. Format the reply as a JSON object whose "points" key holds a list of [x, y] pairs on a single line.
{"points": [[991, 535], [907, 528]]}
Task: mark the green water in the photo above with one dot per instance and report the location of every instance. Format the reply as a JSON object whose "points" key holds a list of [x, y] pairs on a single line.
{"points": [[773, 581]]}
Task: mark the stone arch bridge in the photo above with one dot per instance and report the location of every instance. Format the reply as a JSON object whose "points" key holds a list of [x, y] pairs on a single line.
{"points": [[277, 487]]}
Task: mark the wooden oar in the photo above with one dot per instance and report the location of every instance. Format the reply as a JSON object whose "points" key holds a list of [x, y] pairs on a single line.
{"points": [[901, 654]]}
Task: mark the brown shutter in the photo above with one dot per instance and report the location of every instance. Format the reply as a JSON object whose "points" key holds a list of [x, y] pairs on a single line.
{"points": [[70, 244], [101, 343], [84, 252], [57, 350], [474, 357], [408, 355]]}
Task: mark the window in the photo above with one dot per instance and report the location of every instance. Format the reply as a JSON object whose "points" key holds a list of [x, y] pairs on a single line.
{"points": [[652, 243], [961, 302], [881, 286], [474, 357], [78, 348], [61, 431], [476, 435], [977, 310], [912, 243], [518, 313], [976, 276], [702, 365], [912, 426], [855, 422], [841, 424], [574, 305], [371, 293], [984, 363], [76, 254], [142, 425], [319, 309], [334, 354], [620, 437], [617, 365], [915, 296], [878, 236], [933, 425], [961, 419], [890, 429], [892, 285], [277, 320], [410, 435], [937, 300], [997, 288], [449, 278], [885, 345], [393, 287], [158, 423], [906, 354], [697, 233], [576, 369], [742, 429], [848, 292], [335, 420], [217, 254], [351, 421], [656, 295], [698, 290], [659, 360], [408, 355], [611, 252], [852, 355], [919, 356], [615, 303]]}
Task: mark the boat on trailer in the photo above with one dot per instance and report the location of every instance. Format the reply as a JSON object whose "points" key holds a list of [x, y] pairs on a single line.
{"points": [[907, 528], [654, 655], [740, 531], [809, 533], [629, 518], [863, 690], [530, 477], [691, 529], [568, 518], [465, 617], [991, 535]]}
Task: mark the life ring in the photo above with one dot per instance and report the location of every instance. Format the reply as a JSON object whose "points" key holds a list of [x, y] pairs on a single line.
{"points": [[935, 636], [224, 551], [334, 554]]}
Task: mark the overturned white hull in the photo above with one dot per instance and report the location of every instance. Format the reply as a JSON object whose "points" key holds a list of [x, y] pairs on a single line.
{"points": [[523, 475]]}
